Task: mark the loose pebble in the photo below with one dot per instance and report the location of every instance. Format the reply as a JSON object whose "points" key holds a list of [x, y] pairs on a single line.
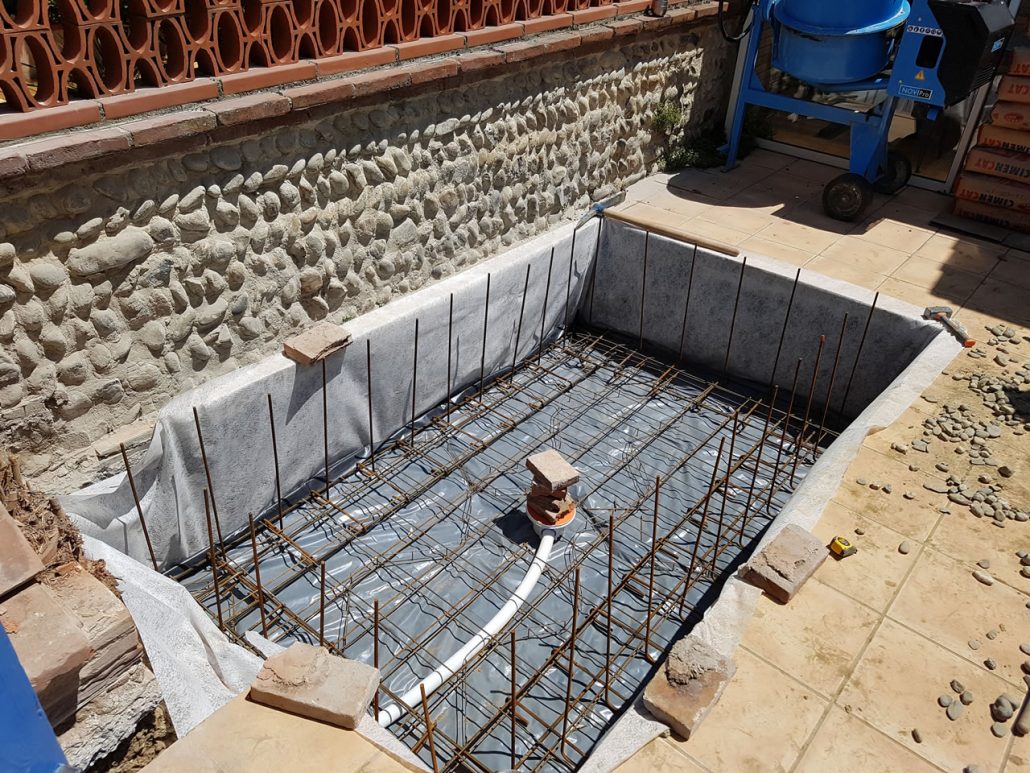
{"points": [[956, 685], [983, 577], [1024, 647], [859, 531], [984, 563], [861, 481], [916, 735], [955, 711], [966, 697], [999, 730], [905, 548], [944, 701], [991, 664], [974, 644]]}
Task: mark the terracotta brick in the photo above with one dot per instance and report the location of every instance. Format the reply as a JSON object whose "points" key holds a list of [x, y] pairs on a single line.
{"points": [[626, 26], [173, 95], [588, 15], [51, 646], [317, 343], [322, 93], [18, 561], [655, 22], [72, 148], [530, 49], [705, 10], [173, 126], [12, 162], [480, 60], [51, 119], [632, 6], [488, 35], [355, 60], [682, 15], [547, 23], [428, 46], [267, 77], [434, 70], [383, 80], [595, 34], [252, 108]]}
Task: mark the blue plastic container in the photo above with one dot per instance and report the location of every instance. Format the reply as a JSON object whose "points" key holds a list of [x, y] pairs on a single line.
{"points": [[833, 42]]}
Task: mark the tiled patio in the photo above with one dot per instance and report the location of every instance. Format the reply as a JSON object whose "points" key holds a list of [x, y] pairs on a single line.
{"points": [[838, 679]]}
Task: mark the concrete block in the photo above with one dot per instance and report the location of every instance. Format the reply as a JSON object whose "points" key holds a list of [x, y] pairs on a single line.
{"points": [[51, 647], [107, 625], [316, 344], [18, 561], [686, 688], [551, 471], [783, 566], [308, 681]]}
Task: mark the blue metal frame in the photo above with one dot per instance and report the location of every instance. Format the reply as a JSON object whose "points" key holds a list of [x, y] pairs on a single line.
{"points": [[27, 741], [869, 130]]}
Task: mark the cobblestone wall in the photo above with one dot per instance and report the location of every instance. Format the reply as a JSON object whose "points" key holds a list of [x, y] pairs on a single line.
{"points": [[124, 288]]}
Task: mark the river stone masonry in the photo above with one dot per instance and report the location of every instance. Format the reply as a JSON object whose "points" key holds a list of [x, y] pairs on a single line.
{"points": [[125, 283]]}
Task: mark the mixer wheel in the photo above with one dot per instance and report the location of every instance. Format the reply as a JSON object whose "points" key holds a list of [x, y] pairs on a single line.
{"points": [[847, 196], [896, 175]]}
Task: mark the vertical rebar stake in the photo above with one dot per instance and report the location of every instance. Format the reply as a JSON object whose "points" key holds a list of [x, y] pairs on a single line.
{"points": [[375, 653], [414, 384], [139, 507], [518, 330], [729, 477], [547, 291], [275, 459], [783, 436], [568, 285], [783, 330], [325, 428], [858, 355], [572, 663], [608, 609], [429, 726], [733, 319], [758, 462], [829, 387], [207, 475], [486, 320], [800, 444], [371, 427], [701, 528], [686, 305], [514, 703], [450, 344], [643, 291], [257, 575], [321, 608], [214, 561], [650, 571]]}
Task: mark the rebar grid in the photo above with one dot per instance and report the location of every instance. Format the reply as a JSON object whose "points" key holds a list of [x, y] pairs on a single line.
{"points": [[563, 705]]}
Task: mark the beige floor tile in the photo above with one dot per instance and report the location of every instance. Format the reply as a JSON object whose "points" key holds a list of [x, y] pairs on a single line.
{"points": [[845, 743], [903, 430], [737, 218], [1012, 271], [1000, 300], [792, 255], [1019, 756], [968, 539], [846, 271], [920, 199], [921, 296], [942, 601], [891, 233], [806, 637], [911, 216], [810, 170], [914, 518], [659, 195], [659, 756], [866, 255], [768, 159], [895, 687], [799, 236], [961, 253], [715, 184], [937, 278], [761, 722], [647, 214], [871, 576], [715, 232]]}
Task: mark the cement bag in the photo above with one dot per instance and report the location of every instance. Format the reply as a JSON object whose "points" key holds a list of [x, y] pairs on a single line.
{"points": [[1002, 137], [1006, 218], [1019, 61], [1007, 164], [1011, 115], [993, 192], [1013, 89]]}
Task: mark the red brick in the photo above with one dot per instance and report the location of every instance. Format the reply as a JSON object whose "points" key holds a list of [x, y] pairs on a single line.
{"points": [[321, 93], [655, 22], [682, 15], [547, 23], [428, 46], [593, 14], [72, 148], [145, 100], [596, 34], [12, 162], [50, 119], [18, 561], [705, 10], [480, 60], [382, 80], [488, 35], [435, 70], [173, 126], [632, 6], [520, 52], [267, 77], [626, 26], [355, 60], [252, 108]]}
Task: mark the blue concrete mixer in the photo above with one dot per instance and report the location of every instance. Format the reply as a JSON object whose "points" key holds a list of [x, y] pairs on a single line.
{"points": [[933, 52]]}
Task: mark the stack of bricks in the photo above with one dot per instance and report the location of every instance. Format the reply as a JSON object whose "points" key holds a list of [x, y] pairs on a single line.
{"points": [[548, 499]]}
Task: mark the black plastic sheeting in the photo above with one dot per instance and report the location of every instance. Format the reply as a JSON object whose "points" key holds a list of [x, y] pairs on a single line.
{"points": [[472, 544]]}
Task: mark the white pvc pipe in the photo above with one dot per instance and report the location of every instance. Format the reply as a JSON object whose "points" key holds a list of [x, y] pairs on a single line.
{"points": [[413, 697]]}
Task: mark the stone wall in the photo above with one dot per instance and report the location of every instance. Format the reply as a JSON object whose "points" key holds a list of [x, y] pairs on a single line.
{"points": [[125, 283]]}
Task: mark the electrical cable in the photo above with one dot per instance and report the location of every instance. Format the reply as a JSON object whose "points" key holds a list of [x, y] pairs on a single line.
{"points": [[745, 27]]}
